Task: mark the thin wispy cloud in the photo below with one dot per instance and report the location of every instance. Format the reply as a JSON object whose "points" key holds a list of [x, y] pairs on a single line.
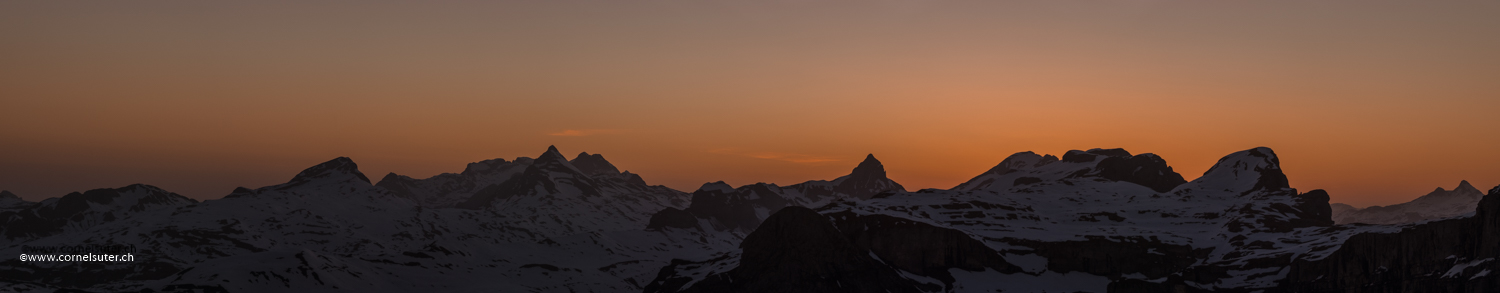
{"points": [[581, 132], [785, 157]]}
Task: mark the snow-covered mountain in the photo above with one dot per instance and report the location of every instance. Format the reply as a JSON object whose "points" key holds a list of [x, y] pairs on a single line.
{"points": [[11, 201], [329, 229], [1101, 220], [1437, 204], [1090, 221], [22, 220]]}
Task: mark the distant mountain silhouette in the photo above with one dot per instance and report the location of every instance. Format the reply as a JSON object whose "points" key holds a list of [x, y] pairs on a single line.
{"points": [[1437, 204]]}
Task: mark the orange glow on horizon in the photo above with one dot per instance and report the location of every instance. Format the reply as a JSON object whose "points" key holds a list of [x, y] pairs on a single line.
{"points": [[1375, 102]]}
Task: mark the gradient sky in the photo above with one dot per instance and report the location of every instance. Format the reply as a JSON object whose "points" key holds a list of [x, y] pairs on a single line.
{"points": [[1375, 101]]}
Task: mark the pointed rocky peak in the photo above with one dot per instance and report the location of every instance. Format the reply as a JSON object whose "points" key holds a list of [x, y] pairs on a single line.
{"points": [[594, 164], [5, 194], [866, 180], [337, 168], [1247, 171], [1464, 186], [397, 184], [869, 168], [553, 161], [718, 186], [242, 192], [391, 178], [552, 154], [1463, 191]]}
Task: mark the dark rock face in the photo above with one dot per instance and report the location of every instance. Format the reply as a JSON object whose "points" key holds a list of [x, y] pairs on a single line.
{"points": [[919, 248], [724, 207], [1076, 156], [5, 194], [672, 217], [1116, 256], [798, 250], [334, 167], [1312, 210], [397, 184], [1117, 152], [1147, 170], [1457, 255], [593, 164], [866, 180]]}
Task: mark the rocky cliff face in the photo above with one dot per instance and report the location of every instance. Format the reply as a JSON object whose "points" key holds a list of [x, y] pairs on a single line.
{"points": [[1457, 255], [798, 250]]}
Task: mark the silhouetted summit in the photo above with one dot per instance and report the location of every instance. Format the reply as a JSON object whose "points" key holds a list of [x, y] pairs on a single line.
{"points": [[330, 169], [866, 180]]}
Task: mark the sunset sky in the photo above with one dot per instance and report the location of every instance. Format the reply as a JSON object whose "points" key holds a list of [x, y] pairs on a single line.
{"points": [[1375, 101]]}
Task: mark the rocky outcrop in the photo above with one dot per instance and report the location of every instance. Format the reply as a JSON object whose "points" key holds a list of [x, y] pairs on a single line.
{"points": [[724, 208], [1147, 170], [866, 180], [919, 248], [1025, 168], [593, 164], [1457, 255], [798, 250], [335, 169]]}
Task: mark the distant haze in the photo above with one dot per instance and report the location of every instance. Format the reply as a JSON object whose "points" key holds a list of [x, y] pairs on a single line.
{"points": [[1377, 102]]}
